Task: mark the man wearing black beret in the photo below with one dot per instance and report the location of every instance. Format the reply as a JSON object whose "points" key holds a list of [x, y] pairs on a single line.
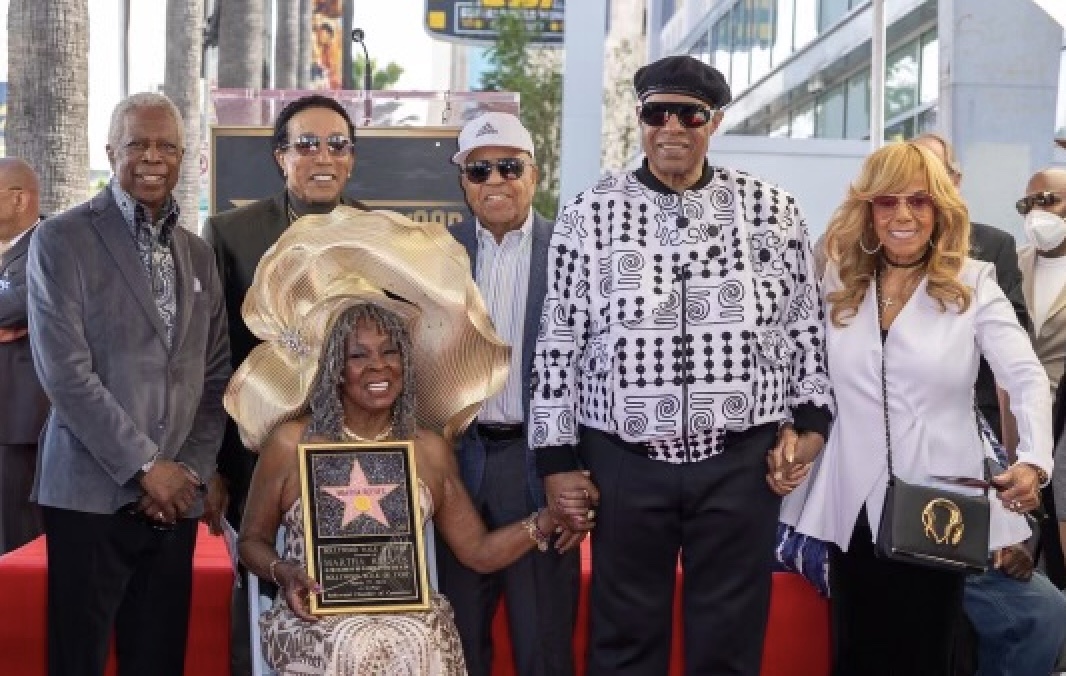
{"points": [[681, 354]]}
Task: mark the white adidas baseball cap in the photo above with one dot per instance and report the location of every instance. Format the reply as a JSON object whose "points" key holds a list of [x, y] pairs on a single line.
{"points": [[492, 129]]}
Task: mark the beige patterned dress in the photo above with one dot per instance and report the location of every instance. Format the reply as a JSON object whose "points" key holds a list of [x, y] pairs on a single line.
{"points": [[411, 644]]}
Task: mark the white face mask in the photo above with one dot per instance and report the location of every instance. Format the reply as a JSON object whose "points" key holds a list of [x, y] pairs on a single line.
{"points": [[1044, 229]]}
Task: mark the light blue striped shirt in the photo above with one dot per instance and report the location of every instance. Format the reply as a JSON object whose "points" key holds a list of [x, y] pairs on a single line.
{"points": [[503, 279]]}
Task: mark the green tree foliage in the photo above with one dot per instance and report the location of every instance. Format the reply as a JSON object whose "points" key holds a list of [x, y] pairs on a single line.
{"points": [[535, 74], [379, 79]]}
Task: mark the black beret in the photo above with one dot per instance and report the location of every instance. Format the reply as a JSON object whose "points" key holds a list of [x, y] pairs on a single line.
{"points": [[682, 75]]}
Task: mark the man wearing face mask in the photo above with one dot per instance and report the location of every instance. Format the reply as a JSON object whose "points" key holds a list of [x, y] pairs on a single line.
{"points": [[1043, 265], [314, 149]]}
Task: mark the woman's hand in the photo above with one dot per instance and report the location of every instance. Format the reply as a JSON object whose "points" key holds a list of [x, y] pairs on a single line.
{"points": [[1018, 488], [789, 461], [297, 586]]}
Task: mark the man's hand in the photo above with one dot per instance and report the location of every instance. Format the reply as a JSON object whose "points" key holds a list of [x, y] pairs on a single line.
{"points": [[789, 461], [1015, 562], [11, 335], [558, 486], [215, 504], [171, 488]]}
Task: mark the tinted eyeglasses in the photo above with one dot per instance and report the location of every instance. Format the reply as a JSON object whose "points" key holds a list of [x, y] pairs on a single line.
{"points": [[916, 201], [309, 144], [1045, 199], [510, 168], [689, 115]]}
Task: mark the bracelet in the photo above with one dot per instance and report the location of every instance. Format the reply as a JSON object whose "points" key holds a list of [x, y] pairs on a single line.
{"points": [[272, 568], [539, 538]]}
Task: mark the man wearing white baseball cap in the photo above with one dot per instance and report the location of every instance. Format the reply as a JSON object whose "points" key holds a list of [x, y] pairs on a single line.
{"points": [[508, 246]]}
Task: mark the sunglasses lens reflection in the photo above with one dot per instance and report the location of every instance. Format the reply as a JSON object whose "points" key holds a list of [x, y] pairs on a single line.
{"points": [[510, 168], [689, 115]]}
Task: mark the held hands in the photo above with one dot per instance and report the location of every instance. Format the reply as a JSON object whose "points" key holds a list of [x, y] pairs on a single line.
{"points": [[1014, 561], [789, 461], [572, 498], [169, 491], [297, 586], [11, 335], [1018, 488]]}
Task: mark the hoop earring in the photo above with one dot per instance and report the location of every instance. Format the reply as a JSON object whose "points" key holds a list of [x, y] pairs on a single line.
{"points": [[869, 252]]}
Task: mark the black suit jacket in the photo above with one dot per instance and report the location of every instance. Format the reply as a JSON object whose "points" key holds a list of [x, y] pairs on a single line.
{"points": [[25, 405], [239, 238], [996, 246]]}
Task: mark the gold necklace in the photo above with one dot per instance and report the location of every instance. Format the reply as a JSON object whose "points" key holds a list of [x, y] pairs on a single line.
{"points": [[908, 287], [352, 436]]}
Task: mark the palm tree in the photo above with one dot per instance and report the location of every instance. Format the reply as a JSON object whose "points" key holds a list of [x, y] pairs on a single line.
{"points": [[181, 82], [48, 95], [287, 45], [240, 44]]}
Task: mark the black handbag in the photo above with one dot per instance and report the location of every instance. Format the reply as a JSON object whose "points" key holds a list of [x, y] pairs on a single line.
{"points": [[927, 526]]}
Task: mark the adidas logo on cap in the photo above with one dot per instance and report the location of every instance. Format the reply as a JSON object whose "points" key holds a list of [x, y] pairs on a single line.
{"points": [[487, 128]]}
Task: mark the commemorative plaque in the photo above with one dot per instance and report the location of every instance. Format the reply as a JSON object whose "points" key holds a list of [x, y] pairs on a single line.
{"points": [[363, 527]]}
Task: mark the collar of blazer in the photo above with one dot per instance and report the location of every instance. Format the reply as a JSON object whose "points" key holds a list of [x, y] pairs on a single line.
{"points": [[1027, 257]]}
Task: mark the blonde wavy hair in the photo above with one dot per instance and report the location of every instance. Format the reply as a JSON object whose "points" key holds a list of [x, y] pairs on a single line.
{"points": [[891, 170]]}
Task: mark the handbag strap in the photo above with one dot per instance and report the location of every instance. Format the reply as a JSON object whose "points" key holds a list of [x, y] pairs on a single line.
{"points": [[884, 387]]}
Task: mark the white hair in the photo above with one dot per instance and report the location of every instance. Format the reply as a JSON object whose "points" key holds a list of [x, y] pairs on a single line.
{"points": [[141, 100]]}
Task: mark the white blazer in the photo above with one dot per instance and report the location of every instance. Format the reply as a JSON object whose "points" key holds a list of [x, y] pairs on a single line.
{"points": [[932, 358]]}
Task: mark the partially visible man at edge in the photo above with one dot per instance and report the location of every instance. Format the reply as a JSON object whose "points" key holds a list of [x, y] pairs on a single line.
{"points": [[25, 405], [681, 352], [129, 339], [314, 149]]}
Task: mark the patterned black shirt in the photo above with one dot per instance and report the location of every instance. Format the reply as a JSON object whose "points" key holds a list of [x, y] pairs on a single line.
{"points": [[672, 318], [153, 241]]}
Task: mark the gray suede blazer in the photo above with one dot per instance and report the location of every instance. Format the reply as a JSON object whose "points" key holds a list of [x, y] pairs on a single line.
{"points": [[119, 395]]}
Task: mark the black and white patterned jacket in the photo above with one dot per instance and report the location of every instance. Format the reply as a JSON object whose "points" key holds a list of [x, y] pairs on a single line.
{"points": [[616, 352]]}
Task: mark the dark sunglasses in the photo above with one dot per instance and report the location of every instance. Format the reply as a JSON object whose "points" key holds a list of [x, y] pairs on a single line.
{"points": [[690, 115], [1037, 199], [916, 201], [309, 144], [510, 168]]}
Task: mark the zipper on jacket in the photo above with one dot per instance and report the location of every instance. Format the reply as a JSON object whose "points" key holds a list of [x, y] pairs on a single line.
{"points": [[684, 362]]}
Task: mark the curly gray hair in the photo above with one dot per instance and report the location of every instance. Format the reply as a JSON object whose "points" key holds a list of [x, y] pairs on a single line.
{"points": [[327, 412]]}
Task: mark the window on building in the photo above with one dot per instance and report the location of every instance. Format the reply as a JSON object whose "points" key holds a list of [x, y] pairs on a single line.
{"points": [[803, 122], [722, 44], [740, 73], [901, 80], [702, 49], [830, 114], [761, 14], [829, 12], [806, 24], [782, 47], [857, 107], [929, 85], [779, 126]]}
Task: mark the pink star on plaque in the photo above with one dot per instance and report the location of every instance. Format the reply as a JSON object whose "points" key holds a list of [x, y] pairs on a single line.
{"points": [[361, 497]]}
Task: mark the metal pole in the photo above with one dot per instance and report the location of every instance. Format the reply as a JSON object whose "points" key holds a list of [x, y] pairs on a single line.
{"points": [[124, 48], [877, 76]]}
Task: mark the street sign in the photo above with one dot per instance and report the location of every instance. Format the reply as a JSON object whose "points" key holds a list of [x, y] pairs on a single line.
{"points": [[477, 21]]}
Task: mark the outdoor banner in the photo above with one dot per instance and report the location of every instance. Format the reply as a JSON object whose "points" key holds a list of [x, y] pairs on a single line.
{"points": [[327, 42], [403, 169], [476, 21]]}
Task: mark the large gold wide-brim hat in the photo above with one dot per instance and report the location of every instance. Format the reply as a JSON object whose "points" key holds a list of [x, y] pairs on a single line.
{"points": [[323, 265]]}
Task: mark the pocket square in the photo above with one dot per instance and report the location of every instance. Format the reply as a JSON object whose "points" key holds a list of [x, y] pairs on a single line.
{"points": [[196, 285]]}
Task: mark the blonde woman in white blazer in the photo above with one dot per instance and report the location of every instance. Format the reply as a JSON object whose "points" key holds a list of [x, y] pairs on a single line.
{"points": [[904, 226]]}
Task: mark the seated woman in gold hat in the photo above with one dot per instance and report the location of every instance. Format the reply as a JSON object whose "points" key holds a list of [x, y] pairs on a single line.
{"points": [[365, 357]]}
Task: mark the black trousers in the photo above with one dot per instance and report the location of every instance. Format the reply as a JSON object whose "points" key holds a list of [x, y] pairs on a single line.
{"points": [[20, 519], [540, 589], [113, 571], [721, 517], [889, 618]]}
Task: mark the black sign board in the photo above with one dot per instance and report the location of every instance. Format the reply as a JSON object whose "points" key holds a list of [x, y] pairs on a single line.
{"points": [[403, 169], [363, 527], [476, 21]]}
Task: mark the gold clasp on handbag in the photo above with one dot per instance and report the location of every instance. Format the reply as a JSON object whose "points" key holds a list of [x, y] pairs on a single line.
{"points": [[952, 533]]}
